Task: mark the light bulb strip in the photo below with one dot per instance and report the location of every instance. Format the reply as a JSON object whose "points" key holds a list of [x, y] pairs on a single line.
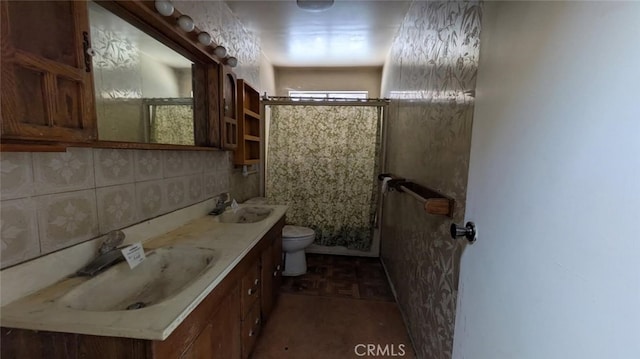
{"points": [[186, 24]]}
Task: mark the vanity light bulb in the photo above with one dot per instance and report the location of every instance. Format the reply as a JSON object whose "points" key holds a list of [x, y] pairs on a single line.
{"points": [[204, 38], [220, 51], [186, 23], [165, 8], [232, 61]]}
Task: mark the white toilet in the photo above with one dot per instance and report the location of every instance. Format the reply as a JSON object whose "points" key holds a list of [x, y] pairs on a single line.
{"points": [[294, 240]]}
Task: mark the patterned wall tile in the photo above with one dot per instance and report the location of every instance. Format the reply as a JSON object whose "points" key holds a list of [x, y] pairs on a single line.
{"points": [[215, 161], [150, 199], [173, 163], [195, 190], [18, 232], [147, 165], [430, 73], [176, 193], [67, 218], [17, 174], [194, 162], [113, 166], [63, 171], [116, 207]]}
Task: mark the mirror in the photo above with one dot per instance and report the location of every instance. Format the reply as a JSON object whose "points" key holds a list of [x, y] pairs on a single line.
{"points": [[143, 89]]}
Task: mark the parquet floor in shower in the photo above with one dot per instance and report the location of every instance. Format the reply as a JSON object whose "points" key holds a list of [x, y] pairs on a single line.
{"points": [[341, 276]]}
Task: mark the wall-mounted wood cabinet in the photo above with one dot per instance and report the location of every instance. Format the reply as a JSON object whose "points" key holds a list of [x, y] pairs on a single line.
{"points": [[249, 124], [47, 86], [47, 78]]}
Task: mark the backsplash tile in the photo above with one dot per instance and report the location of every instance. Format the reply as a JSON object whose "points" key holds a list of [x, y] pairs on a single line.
{"points": [[173, 163], [63, 171], [17, 174], [150, 199], [67, 218], [113, 166], [194, 162], [195, 189], [175, 193], [116, 207], [147, 165], [18, 232]]}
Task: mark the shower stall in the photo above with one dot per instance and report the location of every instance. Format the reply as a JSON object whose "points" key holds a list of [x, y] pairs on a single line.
{"points": [[322, 159]]}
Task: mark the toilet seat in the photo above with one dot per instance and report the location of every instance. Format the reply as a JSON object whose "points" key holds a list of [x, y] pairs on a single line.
{"points": [[290, 232]]}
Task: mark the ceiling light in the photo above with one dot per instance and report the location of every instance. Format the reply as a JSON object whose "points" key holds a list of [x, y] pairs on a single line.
{"points": [[314, 5]]}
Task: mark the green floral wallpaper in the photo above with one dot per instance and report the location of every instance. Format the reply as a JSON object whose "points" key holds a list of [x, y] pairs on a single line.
{"points": [[322, 161]]}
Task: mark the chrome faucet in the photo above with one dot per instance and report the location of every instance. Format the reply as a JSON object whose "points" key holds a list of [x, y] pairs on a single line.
{"points": [[108, 255], [221, 204]]}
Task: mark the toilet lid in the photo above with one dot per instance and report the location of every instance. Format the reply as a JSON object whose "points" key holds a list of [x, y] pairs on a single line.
{"points": [[296, 231]]}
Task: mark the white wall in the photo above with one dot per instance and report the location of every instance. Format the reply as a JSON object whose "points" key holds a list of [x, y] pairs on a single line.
{"points": [[328, 79], [554, 185]]}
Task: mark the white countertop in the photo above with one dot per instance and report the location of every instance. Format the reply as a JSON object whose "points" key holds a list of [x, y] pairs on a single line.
{"points": [[43, 311]]}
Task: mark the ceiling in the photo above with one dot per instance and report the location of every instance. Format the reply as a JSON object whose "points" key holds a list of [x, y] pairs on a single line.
{"points": [[350, 33]]}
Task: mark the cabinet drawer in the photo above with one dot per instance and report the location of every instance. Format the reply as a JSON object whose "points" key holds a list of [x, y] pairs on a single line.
{"points": [[251, 329], [250, 288]]}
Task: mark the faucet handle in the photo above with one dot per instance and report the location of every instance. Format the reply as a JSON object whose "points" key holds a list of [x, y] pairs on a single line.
{"points": [[112, 241]]}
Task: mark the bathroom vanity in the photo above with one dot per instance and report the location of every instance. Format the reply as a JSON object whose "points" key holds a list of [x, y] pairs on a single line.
{"points": [[218, 313]]}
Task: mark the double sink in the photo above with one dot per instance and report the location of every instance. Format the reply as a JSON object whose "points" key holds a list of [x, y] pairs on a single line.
{"points": [[165, 272]]}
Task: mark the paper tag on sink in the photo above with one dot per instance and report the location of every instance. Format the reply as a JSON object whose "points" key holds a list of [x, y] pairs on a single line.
{"points": [[134, 254]]}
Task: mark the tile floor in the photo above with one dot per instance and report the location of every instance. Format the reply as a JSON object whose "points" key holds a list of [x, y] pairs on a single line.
{"points": [[341, 305]]}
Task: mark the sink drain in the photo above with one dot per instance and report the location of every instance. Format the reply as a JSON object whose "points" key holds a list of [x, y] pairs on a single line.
{"points": [[136, 305]]}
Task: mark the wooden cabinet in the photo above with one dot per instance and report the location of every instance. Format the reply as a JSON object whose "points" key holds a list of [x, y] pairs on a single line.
{"points": [[249, 125], [47, 87], [225, 325], [271, 271]]}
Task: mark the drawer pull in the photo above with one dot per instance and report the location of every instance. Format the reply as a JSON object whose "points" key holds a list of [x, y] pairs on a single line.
{"points": [[252, 333], [275, 273], [257, 321], [278, 267], [250, 291], [256, 281]]}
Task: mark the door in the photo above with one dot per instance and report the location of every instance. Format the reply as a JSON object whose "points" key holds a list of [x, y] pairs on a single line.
{"points": [[554, 185]]}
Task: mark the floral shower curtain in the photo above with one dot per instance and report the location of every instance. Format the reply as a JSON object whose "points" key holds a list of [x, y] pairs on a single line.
{"points": [[322, 161], [172, 124]]}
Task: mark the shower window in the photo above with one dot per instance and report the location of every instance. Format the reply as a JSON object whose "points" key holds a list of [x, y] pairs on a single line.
{"points": [[330, 94]]}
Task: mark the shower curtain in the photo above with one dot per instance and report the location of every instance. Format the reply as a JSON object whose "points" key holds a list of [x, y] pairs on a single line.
{"points": [[171, 124], [322, 161]]}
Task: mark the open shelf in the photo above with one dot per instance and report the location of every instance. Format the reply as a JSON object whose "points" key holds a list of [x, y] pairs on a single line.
{"points": [[249, 125]]}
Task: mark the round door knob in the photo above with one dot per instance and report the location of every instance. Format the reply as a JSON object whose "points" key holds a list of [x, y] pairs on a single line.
{"points": [[275, 273], [252, 333], [469, 231], [250, 291], [91, 52], [256, 281], [278, 267], [257, 321]]}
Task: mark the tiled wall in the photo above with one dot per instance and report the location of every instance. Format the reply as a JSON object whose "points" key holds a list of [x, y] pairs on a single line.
{"points": [[54, 200], [430, 76]]}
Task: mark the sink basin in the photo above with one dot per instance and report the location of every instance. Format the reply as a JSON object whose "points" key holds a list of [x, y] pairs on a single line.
{"points": [[164, 273], [245, 215]]}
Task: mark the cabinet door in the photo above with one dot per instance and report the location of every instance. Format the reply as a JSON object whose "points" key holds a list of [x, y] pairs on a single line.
{"points": [[226, 328], [229, 114], [47, 86], [268, 276]]}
